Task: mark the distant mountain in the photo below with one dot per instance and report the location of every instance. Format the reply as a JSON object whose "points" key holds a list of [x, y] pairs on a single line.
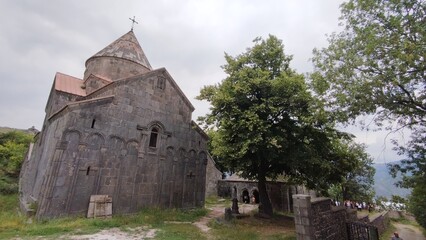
{"points": [[31, 130], [384, 184]]}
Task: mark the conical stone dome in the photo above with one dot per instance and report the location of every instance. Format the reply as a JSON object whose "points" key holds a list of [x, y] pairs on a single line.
{"points": [[127, 47], [112, 62]]}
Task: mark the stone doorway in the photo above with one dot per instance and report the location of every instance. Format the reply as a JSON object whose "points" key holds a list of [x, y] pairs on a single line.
{"points": [[245, 196], [255, 195]]}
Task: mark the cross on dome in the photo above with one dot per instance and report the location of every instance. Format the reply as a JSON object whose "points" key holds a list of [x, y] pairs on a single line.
{"points": [[133, 22]]}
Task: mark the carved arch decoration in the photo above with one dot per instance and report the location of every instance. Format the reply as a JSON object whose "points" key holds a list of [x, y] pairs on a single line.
{"points": [[115, 150], [66, 138], [132, 146], [156, 131], [202, 157], [115, 147], [91, 143], [111, 137], [67, 132], [182, 154], [156, 124], [192, 155]]}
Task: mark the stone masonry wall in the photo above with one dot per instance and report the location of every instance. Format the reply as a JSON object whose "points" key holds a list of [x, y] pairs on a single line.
{"points": [[279, 193], [100, 146], [132, 139], [213, 175], [316, 219], [381, 222], [328, 223]]}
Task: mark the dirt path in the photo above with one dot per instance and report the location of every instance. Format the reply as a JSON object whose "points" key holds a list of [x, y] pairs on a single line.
{"points": [[219, 211], [116, 234], [409, 232], [215, 213]]}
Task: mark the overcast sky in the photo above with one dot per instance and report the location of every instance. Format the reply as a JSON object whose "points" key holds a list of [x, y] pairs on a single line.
{"points": [[188, 38]]}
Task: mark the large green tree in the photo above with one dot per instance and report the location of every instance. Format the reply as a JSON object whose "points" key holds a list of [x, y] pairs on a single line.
{"points": [[13, 146], [267, 123], [357, 184], [376, 65]]}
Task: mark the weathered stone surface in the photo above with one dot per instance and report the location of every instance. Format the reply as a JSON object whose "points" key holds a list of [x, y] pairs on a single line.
{"points": [[317, 219], [100, 206], [228, 214], [129, 137], [279, 192], [213, 175]]}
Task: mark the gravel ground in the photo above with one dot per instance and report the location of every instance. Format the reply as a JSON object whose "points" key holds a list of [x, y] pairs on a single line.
{"points": [[409, 232]]}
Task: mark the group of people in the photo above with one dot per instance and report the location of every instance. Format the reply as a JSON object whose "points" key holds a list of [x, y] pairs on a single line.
{"points": [[355, 205], [360, 206]]}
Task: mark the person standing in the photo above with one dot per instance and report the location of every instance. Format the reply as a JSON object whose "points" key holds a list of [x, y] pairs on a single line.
{"points": [[396, 236]]}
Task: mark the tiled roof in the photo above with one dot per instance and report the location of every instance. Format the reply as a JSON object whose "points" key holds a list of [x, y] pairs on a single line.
{"points": [[104, 79], [69, 84], [127, 47]]}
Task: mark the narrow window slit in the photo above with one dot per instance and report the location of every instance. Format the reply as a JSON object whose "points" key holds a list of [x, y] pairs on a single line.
{"points": [[88, 171], [153, 138], [93, 123]]}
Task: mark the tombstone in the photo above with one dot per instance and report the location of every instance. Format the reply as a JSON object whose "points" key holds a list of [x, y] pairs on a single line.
{"points": [[235, 206], [228, 214], [235, 202]]}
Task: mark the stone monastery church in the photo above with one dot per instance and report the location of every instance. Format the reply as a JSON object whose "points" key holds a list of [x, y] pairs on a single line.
{"points": [[125, 131]]}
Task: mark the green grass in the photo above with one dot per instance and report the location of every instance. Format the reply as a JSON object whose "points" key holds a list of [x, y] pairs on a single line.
{"points": [[214, 201], [279, 227], [14, 225], [170, 224], [387, 234]]}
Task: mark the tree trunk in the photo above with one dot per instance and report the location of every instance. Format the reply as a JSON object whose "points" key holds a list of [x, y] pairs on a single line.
{"points": [[265, 206], [345, 194]]}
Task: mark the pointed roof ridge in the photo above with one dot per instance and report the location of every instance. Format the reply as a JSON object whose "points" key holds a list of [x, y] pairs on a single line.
{"points": [[147, 74], [126, 47]]}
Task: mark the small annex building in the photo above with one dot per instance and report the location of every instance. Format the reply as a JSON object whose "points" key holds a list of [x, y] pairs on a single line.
{"points": [[123, 130], [246, 191]]}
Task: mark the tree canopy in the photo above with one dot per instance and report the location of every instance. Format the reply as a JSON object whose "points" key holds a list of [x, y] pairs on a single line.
{"points": [[13, 146], [376, 65], [357, 184], [266, 123]]}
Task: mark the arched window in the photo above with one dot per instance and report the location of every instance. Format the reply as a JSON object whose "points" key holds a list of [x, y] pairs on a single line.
{"points": [[161, 83], [153, 138]]}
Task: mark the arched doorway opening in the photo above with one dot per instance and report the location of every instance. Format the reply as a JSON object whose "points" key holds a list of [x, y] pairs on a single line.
{"points": [[255, 196], [246, 196]]}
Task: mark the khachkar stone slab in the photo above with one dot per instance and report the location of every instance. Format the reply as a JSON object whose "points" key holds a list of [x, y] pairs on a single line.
{"points": [[100, 206]]}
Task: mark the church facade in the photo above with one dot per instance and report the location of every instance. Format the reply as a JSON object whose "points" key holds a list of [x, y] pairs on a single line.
{"points": [[123, 130]]}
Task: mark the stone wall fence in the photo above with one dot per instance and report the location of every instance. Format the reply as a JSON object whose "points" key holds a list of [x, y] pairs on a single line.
{"points": [[317, 219], [381, 221]]}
